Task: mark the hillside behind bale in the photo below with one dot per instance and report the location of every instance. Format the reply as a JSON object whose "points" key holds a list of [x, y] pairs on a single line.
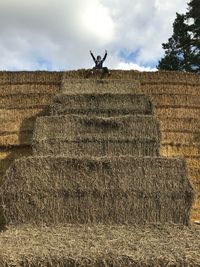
{"points": [[121, 190]]}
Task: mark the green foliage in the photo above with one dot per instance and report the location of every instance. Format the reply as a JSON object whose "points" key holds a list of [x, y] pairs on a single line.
{"points": [[182, 51]]}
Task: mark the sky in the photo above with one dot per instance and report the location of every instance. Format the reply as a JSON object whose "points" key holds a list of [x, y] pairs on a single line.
{"points": [[58, 34]]}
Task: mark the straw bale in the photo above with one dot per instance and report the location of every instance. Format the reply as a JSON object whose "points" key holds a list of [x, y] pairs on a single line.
{"points": [[96, 148], [79, 135], [75, 127], [25, 77], [88, 86], [166, 77], [177, 138], [171, 112], [16, 125], [100, 245], [179, 150], [14, 89], [193, 162], [176, 100], [16, 139], [194, 174], [178, 89], [103, 104], [25, 101], [48, 190], [180, 125], [20, 114]]}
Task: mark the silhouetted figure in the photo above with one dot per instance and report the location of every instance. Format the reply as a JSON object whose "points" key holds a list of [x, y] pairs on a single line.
{"points": [[99, 63]]}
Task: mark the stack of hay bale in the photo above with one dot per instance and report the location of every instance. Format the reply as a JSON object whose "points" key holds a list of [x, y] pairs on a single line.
{"points": [[96, 192]]}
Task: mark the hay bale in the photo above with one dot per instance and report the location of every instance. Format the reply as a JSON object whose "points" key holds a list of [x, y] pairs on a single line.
{"points": [[171, 88], [16, 139], [20, 114], [97, 136], [101, 104], [15, 89], [176, 101], [101, 246], [172, 150], [183, 125], [116, 190], [87, 86], [170, 112], [177, 138], [30, 77], [25, 101]]}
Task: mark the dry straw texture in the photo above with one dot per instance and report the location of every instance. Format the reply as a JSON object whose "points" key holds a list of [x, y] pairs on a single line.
{"points": [[102, 246], [170, 112], [176, 100], [15, 89], [180, 125], [50, 190], [27, 77], [101, 86], [25, 101], [171, 89], [103, 104], [177, 150], [97, 136]]}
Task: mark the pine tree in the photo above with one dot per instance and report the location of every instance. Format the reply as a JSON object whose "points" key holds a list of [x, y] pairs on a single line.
{"points": [[193, 15], [178, 50]]}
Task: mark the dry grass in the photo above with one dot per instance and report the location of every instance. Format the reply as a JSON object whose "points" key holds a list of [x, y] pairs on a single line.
{"points": [[176, 100], [25, 101], [16, 139], [15, 89], [102, 246], [180, 125], [102, 86], [171, 89], [179, 150], [170, 112], [177, 138], [119, 190], [97, 136], [7, 115], [27, 77], [101, 104]]}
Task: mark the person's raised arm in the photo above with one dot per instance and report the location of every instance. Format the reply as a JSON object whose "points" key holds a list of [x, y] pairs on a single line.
{"points": [[104, 58], [92, 56]]}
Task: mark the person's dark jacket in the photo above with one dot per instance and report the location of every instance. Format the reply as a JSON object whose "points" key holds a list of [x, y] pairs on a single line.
{"points": [[98, 64]]}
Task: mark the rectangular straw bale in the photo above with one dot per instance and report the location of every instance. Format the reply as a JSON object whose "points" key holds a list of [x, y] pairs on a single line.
{"points": [[103, 104], [193, 162], [180, 124], [75, 127], [25, 101], [178, 89], [79, 135], [100, 246], [102, 86], [116, 190], [21, 77], [14, 89], [17, 125], [171, 112], [179, 150], [20, 114], [16, 139], [176, 100], [177, 138]]}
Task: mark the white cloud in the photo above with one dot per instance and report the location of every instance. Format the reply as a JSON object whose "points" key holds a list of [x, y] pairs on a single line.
{"points": [[58, 34]]}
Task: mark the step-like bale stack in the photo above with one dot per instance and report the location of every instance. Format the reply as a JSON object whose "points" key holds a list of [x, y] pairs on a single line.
{"points": [[99, 166]]}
